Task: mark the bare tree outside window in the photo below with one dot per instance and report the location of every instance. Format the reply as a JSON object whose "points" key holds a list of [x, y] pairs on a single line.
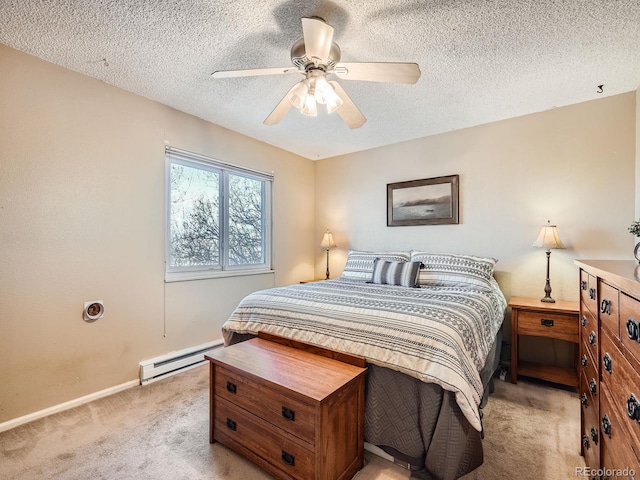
{"points": [[198, 216]]}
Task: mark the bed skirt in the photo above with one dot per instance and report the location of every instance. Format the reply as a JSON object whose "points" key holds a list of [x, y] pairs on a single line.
{"points": [[420, 424]]}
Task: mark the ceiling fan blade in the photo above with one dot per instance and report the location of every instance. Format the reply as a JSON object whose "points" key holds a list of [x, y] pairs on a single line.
{"points": [[379, 72], [318, 37], [348, 110], [254, 72], [281, 109]]}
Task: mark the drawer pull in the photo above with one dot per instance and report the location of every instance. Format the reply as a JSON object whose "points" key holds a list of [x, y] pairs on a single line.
{"points": [[546, 322], [584, 400], [583, 285], [594, 435], [288, 459], [585, 442], [289, 414], [605, 306], [592, 293], [606, 425], [633, 329], [592, 338], [583, 321], [583, 360], [593, 386], [231, 387], [606, 360], [633, 408], [231, 425]]}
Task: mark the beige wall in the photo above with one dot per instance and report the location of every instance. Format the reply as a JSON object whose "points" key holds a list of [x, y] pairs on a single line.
{"points": [[82, 218], [574, 166]]}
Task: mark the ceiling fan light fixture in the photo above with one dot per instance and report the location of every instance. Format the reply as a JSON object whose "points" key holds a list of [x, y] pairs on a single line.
{"points": [[299, 94], [309, 106], [334, 102]]}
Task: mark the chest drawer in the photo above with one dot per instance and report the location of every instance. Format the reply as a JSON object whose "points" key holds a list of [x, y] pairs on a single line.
{"points": [[547, 324], [263, 439], [630, 325], [609, 308], [273, 406]]}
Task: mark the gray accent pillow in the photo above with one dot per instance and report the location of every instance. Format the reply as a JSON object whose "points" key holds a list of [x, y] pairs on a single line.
{"points": [[404, 274]]}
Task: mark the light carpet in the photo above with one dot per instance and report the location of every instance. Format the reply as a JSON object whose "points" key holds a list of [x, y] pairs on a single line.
{"points": [[160, 431]]}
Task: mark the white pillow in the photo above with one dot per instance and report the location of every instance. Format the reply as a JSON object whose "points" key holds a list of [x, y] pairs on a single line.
{"points": [[359, 264], [453, 269]]}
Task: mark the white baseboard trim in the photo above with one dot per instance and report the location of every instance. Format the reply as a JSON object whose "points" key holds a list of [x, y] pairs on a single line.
{"points": [[16, 422]]}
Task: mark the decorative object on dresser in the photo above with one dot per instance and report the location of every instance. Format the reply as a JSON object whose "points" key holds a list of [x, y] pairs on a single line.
{"points": [[557, 320], [295, 409], [548, 238], [328, 243], [635, 230], [610, 367]]}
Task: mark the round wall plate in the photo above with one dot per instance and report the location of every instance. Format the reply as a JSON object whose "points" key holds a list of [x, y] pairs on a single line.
{"points": [[93, 310]]}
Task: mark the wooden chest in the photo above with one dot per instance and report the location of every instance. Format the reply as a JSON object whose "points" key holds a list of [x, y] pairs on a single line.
{"points": [[610, 366], [294, 409]]}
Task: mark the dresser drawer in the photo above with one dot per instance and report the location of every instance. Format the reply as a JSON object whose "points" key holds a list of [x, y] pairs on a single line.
{"points": [[263, 439], [273, 406], [616, 445], [630, 326], [608, 308], [590, 371], [589, 291], [547, 324], [623, 386], [589, 333], [590, 430]]}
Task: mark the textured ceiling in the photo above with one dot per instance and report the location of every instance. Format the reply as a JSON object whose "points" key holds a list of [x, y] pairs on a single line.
{"points": [[481, 60]]}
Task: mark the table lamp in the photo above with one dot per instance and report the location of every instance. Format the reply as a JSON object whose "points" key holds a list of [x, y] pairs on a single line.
{"points": [[327, 242], [549, 239]]}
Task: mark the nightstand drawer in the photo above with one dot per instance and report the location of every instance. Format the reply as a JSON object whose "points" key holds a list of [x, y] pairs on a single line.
{"points": [[548, 324]]}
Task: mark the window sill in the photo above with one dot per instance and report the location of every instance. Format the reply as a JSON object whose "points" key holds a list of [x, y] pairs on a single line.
{"points": [[172, 277]]}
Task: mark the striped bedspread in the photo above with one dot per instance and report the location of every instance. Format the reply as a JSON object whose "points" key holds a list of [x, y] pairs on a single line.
{"points": [[436, 334]]}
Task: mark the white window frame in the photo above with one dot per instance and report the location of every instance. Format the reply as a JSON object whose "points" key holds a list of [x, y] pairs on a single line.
{"points": [[194, 160]]}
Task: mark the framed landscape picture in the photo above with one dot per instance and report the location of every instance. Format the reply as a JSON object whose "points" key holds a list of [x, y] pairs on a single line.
{"points": [[431, 201]]}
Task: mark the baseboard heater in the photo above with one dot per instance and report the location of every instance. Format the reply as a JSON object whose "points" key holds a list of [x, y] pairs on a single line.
{"points": [[171, 363]]}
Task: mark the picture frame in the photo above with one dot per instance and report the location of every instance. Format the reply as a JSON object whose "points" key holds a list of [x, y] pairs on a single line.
{"points": [[430, 201]]}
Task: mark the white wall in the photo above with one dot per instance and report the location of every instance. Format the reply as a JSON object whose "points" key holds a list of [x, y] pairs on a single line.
{"points": [[82, 218], [574, 166]]}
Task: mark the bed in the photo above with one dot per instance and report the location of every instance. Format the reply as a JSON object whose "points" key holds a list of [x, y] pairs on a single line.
{"points": [[431, 350]]}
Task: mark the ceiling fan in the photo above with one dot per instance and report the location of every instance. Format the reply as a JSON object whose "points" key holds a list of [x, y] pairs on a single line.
{"points": [[315, 56]]}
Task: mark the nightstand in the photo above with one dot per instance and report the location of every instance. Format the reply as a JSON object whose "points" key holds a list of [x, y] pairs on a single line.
{"points": [[530, 316], [314, 280]]}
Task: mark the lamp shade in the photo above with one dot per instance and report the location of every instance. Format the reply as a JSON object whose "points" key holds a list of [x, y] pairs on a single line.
{"points": [[548, 237], [327, 241]]}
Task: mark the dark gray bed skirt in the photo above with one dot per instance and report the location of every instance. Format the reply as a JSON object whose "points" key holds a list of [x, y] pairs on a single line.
{"points": [[420, 424]]}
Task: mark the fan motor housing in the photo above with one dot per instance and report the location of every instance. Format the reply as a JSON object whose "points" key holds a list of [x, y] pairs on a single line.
{"points": [[299, 55]]}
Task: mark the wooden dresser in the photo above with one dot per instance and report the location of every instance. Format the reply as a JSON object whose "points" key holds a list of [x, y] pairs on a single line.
{"points": [[610, 367], [294, 409]]}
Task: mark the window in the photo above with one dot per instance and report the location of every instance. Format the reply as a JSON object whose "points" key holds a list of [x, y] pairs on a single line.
{"points": [[218, 218]]}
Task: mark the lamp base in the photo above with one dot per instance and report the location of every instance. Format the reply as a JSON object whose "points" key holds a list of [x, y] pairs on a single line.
{"points": [[547, 300]]}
